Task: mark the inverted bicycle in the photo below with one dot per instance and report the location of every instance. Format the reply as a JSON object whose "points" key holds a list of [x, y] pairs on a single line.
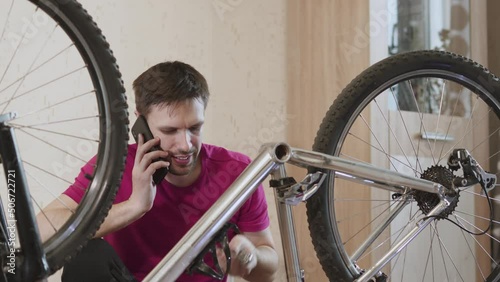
{"points": [[383, 201]]}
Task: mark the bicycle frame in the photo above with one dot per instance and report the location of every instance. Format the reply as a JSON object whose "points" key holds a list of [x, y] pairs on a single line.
{"points": [[271, 161], [34, 265]]}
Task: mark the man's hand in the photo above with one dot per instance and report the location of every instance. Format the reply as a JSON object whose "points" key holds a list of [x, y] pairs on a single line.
{"points": [[143, 188], [121, 214], [253, 256], [244, 259]]}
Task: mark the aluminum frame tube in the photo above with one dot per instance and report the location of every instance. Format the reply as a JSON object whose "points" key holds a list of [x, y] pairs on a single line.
{"points": [[287, 231], [363, 173]]}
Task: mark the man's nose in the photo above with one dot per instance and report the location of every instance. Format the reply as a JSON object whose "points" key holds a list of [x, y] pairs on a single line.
{"points": [[184, 141]]}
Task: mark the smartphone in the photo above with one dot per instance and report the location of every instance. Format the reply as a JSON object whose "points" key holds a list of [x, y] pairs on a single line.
{"points": [[141, 127]]}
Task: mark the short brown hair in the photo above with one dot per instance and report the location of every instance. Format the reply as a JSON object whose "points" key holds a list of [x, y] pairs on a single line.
{"points": [[169, 83]]}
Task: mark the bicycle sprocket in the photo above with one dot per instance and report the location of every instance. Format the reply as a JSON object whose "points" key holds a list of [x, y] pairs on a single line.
{"points": [[427, 201]]}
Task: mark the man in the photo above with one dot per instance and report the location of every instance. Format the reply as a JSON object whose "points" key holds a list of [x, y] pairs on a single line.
{"points": [[147, 220]]}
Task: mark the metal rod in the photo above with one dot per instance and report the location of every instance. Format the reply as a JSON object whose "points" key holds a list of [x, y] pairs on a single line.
{"points": [[378, 230], [363, 173], [287, 231], [398, 247], [183, 253]]}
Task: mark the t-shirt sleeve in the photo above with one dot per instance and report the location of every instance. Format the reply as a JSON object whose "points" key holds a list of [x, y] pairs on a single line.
{"points": [[77, 190], [253, 215]]}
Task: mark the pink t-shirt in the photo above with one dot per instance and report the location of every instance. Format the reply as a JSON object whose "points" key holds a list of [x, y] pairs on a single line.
{"points": [[142, 244]]}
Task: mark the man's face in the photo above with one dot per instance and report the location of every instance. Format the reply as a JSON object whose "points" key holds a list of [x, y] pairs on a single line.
{"points": [[179, 128]]}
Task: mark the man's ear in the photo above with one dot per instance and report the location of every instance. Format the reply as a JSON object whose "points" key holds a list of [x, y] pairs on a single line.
{"points": [[136, 113]]}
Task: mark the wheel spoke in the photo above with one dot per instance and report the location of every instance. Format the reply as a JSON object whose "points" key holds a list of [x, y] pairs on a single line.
{"points": [[30, 69], [421, 116], [13, 55], [391, 158], [23, 77], [54, 132], [51, 107], [55, 147], [41, 86], [392, 132], [448, 128], [415, 152]]}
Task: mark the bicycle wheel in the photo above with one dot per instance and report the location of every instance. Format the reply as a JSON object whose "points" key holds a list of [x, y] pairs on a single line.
{"points": [[407, 113], [58, 73]]}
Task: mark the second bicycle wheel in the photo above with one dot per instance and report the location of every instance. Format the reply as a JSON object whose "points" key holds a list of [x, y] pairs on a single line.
{"points": [[60, 77], [407, 113]]}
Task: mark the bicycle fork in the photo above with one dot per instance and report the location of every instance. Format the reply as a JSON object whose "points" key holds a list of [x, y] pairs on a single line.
{"points": [[20, 216]]}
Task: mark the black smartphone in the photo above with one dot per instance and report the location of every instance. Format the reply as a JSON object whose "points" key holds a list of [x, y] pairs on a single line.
{"points": [[141, 127]]}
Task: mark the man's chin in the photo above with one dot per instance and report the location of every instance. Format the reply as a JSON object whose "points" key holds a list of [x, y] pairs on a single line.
{"points": [[180, 171]]}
